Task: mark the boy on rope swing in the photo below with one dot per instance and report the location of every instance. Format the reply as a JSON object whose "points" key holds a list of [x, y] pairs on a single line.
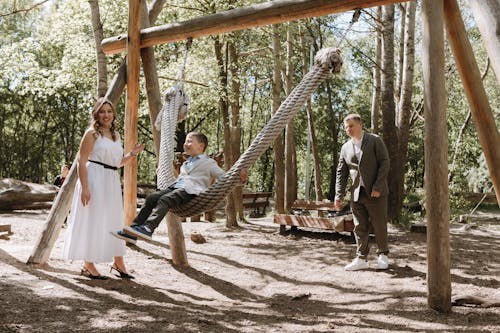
{"points": [[196, 175]]}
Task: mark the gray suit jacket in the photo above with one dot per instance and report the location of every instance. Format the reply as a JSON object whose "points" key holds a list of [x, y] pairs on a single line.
{"points": [[372, 168]]}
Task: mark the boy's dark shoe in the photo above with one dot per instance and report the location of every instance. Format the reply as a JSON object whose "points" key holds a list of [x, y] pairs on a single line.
{"points": [[139, 231], [126, 237]]}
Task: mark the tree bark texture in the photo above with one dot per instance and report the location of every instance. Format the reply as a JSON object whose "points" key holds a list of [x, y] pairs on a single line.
{"points": [[102, 72], [335, 121], [221, 57], [405, 102], [436, 158], [375, 111], [234, 103], [279, 165], [310, 121], [388, 106], [290, 147], [152, 84]]}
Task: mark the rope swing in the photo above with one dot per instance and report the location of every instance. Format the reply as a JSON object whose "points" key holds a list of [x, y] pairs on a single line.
{"points": [[327, 61], [174, 110]]}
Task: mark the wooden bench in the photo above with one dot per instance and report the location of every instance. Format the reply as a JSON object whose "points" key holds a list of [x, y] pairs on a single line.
{"points": [[5, 231], [257, 201], [314, 214]]}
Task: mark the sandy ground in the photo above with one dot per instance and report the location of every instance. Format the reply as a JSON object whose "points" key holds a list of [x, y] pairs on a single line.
{"points": [[250, 279]]}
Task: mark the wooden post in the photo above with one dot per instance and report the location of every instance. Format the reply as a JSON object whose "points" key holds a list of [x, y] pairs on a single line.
{"points": [[487, 16], [59, 211], [436, 158], [481, 111], [267, 13], [177, 243], [152, 84], [131, 107]]}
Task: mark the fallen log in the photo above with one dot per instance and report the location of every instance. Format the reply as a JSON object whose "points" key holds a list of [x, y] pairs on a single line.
{"points": [[467, 300], [475, 197], [17, 194]]}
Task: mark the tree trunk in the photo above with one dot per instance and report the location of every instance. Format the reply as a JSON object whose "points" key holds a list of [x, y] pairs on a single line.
{"points": [[388, 107], [152, 85], [401, 52], [234, 103], [310, 121], [279, 166], [224, 109], [405, 105], [436, 158], [335, 121], [102, 72], [290, 148], [375, 111]]}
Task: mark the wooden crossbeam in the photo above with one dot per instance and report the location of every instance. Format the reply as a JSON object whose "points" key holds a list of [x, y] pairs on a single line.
{"points": [[262, 14]]}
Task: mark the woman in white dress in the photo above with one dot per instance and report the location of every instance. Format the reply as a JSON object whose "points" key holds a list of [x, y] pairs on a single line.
{"points": [[97, 207]]}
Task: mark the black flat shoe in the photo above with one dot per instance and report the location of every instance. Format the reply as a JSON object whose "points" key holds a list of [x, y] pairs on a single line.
{"points": [[121, 273], [85, 272]]}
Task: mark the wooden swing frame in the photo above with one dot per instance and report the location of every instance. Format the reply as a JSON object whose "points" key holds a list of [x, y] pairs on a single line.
{"points": [[436, 14]]}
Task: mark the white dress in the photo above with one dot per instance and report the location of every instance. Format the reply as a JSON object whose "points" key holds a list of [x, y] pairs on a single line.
{"points": [[88, 236]]}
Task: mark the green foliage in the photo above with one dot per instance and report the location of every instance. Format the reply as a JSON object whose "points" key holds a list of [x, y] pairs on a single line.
{"points": [[48, 81]]}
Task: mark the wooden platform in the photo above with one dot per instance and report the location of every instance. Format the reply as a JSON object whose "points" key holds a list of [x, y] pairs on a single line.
{"points": [[5, 230], [314, 214], [339, 224]]}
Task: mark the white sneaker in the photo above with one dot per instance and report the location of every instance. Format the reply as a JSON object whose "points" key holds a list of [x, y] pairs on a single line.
{"points": [[382, 262], [357, 264]]}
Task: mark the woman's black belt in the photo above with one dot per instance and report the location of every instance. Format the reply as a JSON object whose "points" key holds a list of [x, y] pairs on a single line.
{"points": [[106, 166]]}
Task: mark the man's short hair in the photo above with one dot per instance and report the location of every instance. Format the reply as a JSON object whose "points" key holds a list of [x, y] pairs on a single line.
{"points": [[201, 138], [353, 116]]}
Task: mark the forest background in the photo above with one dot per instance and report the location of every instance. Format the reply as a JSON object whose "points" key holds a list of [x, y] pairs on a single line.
{"points": [[235, 82]]}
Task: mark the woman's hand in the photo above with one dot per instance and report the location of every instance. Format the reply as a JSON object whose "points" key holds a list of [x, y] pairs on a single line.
{"points": [[243, 175], [137, 149], [85, 197]]}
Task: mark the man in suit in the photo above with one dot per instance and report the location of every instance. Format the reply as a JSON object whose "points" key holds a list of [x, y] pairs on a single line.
{"points": [[365, 158]]}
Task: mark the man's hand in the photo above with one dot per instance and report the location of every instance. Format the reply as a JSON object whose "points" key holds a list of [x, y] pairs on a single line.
{"points": [[375, 194], [339, 204]]}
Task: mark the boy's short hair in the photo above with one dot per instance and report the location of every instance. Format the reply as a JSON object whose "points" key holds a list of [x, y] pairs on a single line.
{"points": [[201, 138], [353, 116]]}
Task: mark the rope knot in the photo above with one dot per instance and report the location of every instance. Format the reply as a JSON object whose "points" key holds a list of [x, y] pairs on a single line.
{"points": [[329, 57]]}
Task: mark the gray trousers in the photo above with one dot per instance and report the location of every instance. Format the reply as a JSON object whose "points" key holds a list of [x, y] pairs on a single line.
{"points": [[158, 204], [368, 211]]}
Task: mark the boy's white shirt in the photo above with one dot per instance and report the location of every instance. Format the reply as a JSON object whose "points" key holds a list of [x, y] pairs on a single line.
{"points": [[201, 174]]}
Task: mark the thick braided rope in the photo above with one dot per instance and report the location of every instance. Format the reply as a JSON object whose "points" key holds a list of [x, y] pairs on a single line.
{"points": [[174, 99], [326, 61]]}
